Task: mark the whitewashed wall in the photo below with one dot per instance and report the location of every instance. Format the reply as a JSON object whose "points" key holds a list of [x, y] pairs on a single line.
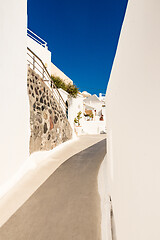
{"points": [[64, 94], [93, 127], [94, 102], [43, 53], [133, 124], [75, 106], [14, 104]]}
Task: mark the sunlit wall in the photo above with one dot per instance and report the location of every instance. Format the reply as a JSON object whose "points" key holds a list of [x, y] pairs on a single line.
{"points": [[133, 124]]}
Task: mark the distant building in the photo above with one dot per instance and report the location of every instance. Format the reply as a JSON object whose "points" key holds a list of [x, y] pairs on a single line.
{"points": [[97, 103], [86, 94], [92, 110]]}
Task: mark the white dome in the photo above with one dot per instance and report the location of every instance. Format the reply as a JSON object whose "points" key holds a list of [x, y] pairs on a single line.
{"points": [[86, 94]]}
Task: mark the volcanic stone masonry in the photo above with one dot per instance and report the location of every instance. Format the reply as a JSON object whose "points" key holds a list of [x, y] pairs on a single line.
{"points": [[48, 123]]}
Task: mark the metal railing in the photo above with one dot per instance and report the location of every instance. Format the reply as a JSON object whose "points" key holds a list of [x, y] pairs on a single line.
{"points": [[35, 63], [36, 38]]}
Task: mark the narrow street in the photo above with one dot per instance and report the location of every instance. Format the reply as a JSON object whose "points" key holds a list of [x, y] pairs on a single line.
{"points": [[66, 206]]}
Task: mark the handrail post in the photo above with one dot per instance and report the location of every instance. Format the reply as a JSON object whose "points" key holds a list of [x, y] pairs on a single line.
{"points": [[43, 74], [33, 62]]}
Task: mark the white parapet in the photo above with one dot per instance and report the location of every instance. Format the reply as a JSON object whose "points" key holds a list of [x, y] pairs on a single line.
{"points": [[42, 52]]}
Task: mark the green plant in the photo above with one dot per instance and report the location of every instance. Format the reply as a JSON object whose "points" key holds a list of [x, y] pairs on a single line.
{"points": [[71, 89], [77, 119]]}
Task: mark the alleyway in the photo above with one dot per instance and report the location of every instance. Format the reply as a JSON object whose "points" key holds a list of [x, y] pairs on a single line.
{"points": [[66, 206]]}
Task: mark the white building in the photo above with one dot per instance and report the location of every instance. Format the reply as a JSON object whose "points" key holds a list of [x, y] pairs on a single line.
{"points": [[133, 126], [74, 105], [92, 114], [86, 94], [95, 109], [88, 125], [98, 104]]}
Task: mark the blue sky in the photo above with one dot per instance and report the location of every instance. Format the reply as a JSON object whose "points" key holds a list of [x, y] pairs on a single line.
{"points": [[82, 36]]}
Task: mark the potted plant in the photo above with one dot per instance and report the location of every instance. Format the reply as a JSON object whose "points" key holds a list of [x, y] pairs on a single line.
{"points": [[78, 127], [77, 119]]}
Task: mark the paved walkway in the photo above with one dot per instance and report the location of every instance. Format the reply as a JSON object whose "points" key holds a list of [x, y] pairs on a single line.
{"points": [[66, 206]]}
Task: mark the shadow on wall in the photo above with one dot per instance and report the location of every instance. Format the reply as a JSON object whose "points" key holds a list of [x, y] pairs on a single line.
{"points": [[113, 227]]}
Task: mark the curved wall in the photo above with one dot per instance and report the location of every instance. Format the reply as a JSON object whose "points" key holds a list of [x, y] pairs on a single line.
{"points": [[133, 124]]}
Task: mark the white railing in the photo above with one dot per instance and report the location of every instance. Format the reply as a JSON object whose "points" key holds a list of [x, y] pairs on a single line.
{"points": [[36, 38], [35, 63]]}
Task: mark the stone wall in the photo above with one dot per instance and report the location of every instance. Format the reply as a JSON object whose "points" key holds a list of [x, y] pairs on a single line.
{"points": [[48, 123]]}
